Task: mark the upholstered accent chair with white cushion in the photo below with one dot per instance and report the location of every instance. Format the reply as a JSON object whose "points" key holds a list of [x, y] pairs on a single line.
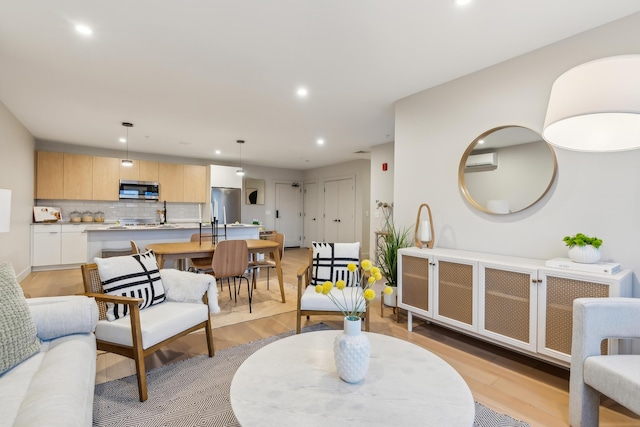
{"points": [[143, 308], [617, 376], [328, 262]]}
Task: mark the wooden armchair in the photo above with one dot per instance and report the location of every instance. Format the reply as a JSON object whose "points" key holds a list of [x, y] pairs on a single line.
{"points": [[327, 261], [143, 332]]}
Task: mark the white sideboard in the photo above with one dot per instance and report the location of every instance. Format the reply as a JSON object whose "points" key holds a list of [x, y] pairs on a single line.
{"points": [[513, 302]]}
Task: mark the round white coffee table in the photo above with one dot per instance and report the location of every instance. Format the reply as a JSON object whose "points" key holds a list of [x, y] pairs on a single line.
{"points": [[293, 382]]}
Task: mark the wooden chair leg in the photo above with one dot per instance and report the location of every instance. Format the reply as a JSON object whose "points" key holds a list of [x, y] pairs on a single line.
{"points": [[141, 374], [209, 332]]}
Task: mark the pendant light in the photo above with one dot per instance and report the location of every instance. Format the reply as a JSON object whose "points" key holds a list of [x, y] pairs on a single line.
{"points": [[127, 162], [240, 171]]}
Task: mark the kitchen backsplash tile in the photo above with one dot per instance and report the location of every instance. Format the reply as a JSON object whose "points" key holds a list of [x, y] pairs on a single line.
{"points": [[113, 211]]}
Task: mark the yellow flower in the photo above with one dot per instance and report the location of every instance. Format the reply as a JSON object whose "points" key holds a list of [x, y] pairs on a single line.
{"points": [[351, 267], [369, 294], [340, 284], [388, 290], [319, 289], [371, 280], [326, 287], [366, 265], [375, 271], [378, 276]]}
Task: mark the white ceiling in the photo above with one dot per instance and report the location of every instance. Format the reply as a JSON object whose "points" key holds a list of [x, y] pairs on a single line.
{"points": [[194, 76]]}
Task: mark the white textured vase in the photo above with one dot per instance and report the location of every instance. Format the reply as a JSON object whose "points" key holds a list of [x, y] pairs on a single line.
{"points": [[586, 254], [351, 351]]}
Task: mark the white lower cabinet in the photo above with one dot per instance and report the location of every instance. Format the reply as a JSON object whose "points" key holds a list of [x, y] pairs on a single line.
{"points": [[58, 244], [514, 302]]}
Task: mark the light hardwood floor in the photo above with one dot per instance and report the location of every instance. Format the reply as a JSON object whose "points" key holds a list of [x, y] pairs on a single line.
{"points": [[505, 381]]}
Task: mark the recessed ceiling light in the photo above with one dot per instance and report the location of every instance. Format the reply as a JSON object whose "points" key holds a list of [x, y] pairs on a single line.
{"points": [[320, 141], [302, 92], [481, 141], [461, 2], [84, 30], [123, 140], [218, 151]]}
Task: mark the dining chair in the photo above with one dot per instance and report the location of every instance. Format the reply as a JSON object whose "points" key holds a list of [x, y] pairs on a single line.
{"points": [[134, 247], [230, 261], [327, 262], [202, 265], [270, 263]]}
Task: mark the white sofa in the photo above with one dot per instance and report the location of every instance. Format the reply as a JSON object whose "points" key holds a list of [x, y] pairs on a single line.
{"points": [[55, 386]]}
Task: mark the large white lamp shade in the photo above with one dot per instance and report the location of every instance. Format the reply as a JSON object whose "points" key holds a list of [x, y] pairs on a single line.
{"points": [[596, 106], [5, 210]]}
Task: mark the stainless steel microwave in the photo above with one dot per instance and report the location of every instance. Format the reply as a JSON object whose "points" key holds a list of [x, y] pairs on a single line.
{"points": [[139, 190]]}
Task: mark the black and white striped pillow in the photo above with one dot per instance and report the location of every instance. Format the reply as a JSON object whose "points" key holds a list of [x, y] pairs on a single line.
{"points": [[130, 276], [330, 262]]}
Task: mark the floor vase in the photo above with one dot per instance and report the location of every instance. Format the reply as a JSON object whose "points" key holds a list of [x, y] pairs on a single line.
{"points": [[352, 350]]}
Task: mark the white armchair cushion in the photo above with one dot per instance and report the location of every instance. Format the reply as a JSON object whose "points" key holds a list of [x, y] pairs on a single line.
{"points": [[330, 262], [312, 300], [130, 276], [56, 317], [158, 323], [617, 376]]}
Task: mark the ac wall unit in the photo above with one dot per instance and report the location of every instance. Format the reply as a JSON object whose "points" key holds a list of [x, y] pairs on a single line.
{"points": [[482, 160]]}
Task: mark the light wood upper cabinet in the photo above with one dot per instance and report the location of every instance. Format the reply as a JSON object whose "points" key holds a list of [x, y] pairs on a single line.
{"points": [[171, 179], [131, 173], [49, 175], [106, 171], [148, 170], [195, 183], [78, 177]]}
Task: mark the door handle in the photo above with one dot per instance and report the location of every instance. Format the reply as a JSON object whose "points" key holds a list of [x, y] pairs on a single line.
{"points": [[277, 214], [313, 219]]}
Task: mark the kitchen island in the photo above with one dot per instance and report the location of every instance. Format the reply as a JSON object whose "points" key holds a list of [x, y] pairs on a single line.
{"points": [[115, 237]]}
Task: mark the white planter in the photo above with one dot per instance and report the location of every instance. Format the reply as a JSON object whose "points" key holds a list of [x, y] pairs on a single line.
{"points": [[586, 254], [351, 351], [390, 300]]}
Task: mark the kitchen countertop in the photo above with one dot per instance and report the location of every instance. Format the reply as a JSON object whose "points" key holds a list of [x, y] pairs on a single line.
{"points": [[170, 226]]}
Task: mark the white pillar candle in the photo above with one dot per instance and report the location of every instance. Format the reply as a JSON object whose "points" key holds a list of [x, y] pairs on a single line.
{"points": [[200, 212], [214, 213], [224, 214], [425, 231]]}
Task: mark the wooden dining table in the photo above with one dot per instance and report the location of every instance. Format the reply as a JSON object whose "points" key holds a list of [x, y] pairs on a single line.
{"points": [[182, 250]]}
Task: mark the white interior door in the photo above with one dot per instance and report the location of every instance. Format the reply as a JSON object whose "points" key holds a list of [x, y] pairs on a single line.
{"points": [[339, 211], [311, 214], [288, 213]]}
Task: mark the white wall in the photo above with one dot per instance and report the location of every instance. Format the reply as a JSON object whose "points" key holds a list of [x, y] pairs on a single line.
{"points": [[16, 174], [381, 187], [595, 193]]}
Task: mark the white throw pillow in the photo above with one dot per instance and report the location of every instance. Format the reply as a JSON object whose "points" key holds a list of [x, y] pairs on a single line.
{"points": [[134, 276], [330, 262]]}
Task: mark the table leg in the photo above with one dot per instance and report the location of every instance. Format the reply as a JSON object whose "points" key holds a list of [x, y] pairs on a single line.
{"points": [[276, 256], [160, 260]]}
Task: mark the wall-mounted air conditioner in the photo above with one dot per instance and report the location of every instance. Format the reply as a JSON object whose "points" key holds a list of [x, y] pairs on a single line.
{"points": [[484, 160]]}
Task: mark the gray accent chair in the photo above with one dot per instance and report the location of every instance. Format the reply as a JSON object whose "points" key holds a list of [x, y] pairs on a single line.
{"points": [[592, 374]]}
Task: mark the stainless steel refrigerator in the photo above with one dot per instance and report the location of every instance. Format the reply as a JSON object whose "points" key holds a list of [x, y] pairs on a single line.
{"points": [[226, 204]]}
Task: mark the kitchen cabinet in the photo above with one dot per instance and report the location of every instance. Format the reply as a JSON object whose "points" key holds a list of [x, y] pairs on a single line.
{"points": [[171, 180], [225, 176], [106, 172], [49, 175], [195, 184], [514, 302], [78, 177], [58, 244], [141, 170]]}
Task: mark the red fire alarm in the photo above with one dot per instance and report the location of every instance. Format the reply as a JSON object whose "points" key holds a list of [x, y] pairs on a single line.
{"points": [[384, 166]]}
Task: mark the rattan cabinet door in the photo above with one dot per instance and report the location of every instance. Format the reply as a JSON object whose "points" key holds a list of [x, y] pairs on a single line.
{"points": [[508, 305], [455, 293], [414, 284]]}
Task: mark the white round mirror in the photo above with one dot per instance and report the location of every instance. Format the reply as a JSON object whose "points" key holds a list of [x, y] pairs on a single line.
{"points": [[506, 170]]}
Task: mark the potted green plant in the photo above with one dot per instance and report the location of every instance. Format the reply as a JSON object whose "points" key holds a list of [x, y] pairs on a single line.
{"points": [[388, 257], [582, 248]]}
